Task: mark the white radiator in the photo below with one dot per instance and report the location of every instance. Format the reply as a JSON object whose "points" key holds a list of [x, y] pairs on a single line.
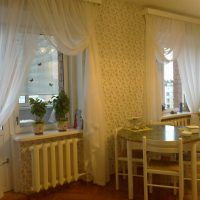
{"points": [[181, 122], [54, 163], [178, 121]]}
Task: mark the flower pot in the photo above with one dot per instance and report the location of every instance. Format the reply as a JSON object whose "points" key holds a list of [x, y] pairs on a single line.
{"points": [[38, 128], [62, 125]]}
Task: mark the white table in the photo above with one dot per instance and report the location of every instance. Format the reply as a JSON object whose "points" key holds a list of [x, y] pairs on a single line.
{"points": [[166, 133]]}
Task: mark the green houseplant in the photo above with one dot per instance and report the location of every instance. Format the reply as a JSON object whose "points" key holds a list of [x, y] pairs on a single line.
{"points": [[38, 108], [61, 105]]}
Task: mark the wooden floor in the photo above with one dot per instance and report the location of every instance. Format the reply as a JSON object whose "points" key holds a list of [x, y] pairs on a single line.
{"points": [[88, 191]]}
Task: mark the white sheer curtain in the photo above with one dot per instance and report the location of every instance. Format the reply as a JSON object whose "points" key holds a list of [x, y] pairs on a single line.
{"points": [[160, 33], [71, 25], [166, 34], [189, 67], [152, 92], [46, 56], [17, 43], [69, 22], [183, 39]]}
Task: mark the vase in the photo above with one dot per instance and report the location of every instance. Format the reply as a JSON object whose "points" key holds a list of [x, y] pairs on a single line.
{"points": [[38, 128], [62, 125]]}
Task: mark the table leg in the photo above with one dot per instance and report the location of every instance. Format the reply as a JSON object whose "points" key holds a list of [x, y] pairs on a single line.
{"points": [[194, 172], [130, 172]]}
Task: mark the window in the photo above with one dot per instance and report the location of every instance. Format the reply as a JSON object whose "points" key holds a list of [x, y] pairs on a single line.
{"points": [[43, 80], [172, 91], [168, 85], [50, 72]]}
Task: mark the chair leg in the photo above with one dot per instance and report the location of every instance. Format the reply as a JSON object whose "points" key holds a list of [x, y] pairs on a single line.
{"points": [[116, 182], [134, 169], [124, 170], [116, 176], [145, 187], [174, 182], [150, 181], [181, 188], [116, 165]]}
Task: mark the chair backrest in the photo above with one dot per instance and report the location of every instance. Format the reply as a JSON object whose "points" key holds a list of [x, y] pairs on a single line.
{"points": [[168, 147], [162, 146]]}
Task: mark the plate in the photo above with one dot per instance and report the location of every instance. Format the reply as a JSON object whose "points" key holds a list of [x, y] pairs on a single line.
{"points": [[192, 126]]}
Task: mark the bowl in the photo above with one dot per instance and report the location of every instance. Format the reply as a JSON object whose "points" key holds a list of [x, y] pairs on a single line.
{"points": [[135, 121]]}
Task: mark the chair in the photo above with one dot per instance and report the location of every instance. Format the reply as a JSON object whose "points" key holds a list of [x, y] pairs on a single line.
{"points": [[187, 162], [170, 168], [184, 121], [121, 158]]}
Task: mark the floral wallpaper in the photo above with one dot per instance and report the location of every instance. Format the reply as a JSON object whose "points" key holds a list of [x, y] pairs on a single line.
{"points": [[120, 34]]}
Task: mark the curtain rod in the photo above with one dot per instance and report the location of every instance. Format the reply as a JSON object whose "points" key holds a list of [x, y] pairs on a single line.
{"points": [[170, 15]]}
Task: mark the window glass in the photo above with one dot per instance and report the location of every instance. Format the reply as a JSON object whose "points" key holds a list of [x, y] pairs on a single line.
{"points": [[172, 95], [42, 81], [168, 85], [51, 72]]}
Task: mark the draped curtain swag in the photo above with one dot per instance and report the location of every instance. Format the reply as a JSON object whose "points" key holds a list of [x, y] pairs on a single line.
{"points": [[69, 25], [17, 43], [189, 67], [183, 39]]}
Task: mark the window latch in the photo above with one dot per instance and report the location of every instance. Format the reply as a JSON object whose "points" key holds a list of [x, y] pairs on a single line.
{"points": [[17, 120]]}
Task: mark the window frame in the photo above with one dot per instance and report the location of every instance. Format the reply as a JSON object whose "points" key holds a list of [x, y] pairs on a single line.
{"points": [[66, 83], [175, 109], [27, 127]]}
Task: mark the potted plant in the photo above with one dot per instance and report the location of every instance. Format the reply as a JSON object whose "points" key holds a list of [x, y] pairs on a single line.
{"points": [[61, 106], [38, 108]]}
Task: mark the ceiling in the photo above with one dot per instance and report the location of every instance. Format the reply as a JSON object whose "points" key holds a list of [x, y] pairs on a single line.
{"points": [[185, 7]]}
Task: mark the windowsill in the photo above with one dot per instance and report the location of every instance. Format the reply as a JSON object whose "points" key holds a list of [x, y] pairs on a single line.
{"points": [[176, 115], [30, 122], [27, 122], [26, 137], [26, 126], [28, 107]]}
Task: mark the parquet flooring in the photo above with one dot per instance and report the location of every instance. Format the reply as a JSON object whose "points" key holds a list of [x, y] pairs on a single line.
{"points": [[88, 191]]}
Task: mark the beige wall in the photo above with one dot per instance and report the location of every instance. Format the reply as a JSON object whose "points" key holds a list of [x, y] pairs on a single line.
{"points": [[120, 35]]}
